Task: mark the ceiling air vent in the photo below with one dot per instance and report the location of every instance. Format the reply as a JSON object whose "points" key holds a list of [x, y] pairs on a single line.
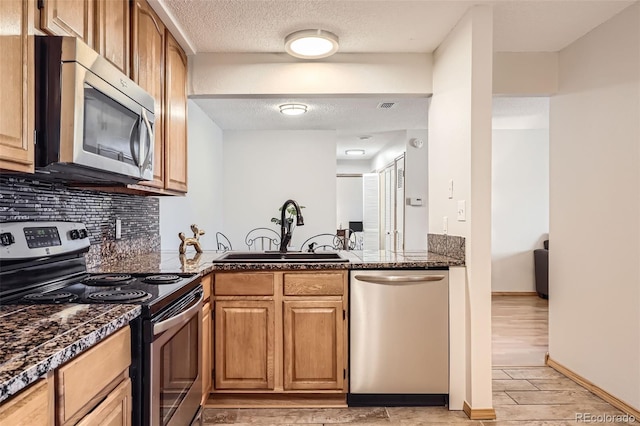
{"points": [[386, 105]]}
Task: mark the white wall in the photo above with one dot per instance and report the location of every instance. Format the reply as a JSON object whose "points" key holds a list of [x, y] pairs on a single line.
{"points": [[349, 201], [525, 73], [460, 149], [594, 282], [520, 206], [262, 169], [203, 203], [278, 73], [354, 166], [416, 218], [520, 190]]}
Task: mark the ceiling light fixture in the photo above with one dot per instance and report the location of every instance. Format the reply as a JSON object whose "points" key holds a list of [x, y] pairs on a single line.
{"points": [[354, 152], [293, 109], [311, 44]]}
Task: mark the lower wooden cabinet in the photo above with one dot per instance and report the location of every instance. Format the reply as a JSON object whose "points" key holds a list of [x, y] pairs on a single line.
{"points": [[115, 410], [244, 349], [87, 378], [91, 389], [207, 355], [279, 332], [31, 407], [313, 345]]}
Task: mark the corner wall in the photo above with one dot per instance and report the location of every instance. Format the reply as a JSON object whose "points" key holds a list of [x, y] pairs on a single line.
{"points": [[460, 149], [594, 276], [202, 205]]}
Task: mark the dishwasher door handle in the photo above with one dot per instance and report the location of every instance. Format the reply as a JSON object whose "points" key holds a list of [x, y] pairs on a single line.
{"points": [[398, 279]]}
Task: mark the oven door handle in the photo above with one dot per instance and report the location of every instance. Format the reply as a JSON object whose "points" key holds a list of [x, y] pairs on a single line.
{"points": [[179, 319]]}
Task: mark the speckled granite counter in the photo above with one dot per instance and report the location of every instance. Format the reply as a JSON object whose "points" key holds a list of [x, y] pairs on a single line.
{"points": [[36, 339], [172, 262]]}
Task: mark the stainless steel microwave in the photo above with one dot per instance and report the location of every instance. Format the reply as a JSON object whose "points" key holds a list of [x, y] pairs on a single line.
{"points": [[93, 123]]}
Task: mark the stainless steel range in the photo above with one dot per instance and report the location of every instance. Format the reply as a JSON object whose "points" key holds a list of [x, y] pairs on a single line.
{"points": [[43, 262]]}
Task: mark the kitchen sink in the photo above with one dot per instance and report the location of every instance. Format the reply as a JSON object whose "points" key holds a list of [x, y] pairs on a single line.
{"points": [[274, 256]]}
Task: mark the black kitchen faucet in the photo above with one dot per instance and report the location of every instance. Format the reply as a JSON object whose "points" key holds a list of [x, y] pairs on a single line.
{"points": [[285, 225]]}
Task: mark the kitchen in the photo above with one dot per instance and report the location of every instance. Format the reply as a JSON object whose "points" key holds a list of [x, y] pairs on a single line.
{"points": [[478, 279]]}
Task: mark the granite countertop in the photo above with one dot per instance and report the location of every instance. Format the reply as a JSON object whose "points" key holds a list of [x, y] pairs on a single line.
{"points": [[35, 339], [173, 262]]}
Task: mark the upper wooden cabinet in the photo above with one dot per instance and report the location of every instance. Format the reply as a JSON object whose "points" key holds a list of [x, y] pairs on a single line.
{"points": [[147, 69], [16, 86], [112, 30], [175, 116], [68, 18]]}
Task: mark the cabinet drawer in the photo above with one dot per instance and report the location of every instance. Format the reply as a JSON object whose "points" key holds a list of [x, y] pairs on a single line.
{"points": [[322, 284], [114, 410], [82, 379], [31, 407], [244, 284]]}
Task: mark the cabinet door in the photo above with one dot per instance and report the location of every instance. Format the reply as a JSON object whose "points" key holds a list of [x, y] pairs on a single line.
{"points": [[115, 410], [112, 32], [244, 344], [16, 87], [33, 406], [176, 117], [313, 345], [148, 71], [207, 355], [68, 18]]}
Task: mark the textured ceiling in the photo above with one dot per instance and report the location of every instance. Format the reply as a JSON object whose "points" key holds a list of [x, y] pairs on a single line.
{"points": [[382, 25], [350, 117], [367, 26]]}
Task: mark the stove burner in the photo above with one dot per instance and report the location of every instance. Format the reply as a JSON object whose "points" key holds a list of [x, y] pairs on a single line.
{"points": [[161, 279], [107, 280], [57, 297], [120, 296]]}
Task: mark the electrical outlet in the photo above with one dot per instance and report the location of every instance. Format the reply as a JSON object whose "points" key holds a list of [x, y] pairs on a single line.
{"points": [[462, 211]]}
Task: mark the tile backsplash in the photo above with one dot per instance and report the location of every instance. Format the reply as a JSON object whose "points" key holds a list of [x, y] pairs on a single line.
{"points": [[30, 199]]}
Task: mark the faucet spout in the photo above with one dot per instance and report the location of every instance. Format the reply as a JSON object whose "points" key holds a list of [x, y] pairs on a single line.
{"points": [[285, 225]]}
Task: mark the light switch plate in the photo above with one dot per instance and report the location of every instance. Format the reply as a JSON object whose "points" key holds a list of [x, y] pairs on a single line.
{"points": [[118, 229], [462, 211]]}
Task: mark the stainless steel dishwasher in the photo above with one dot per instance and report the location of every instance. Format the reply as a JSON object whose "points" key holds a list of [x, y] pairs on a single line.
{"points": [[399, 337]]}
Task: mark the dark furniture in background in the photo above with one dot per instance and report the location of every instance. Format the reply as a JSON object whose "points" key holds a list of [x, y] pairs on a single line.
{"points": [[541, 262]]}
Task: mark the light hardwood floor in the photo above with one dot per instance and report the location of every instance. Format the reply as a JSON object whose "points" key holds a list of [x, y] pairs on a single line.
{"points": [[525, 392], [520, 330]]}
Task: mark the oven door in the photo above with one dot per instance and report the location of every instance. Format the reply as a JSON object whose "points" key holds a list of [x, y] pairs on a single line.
{"points": [[176, 388]]}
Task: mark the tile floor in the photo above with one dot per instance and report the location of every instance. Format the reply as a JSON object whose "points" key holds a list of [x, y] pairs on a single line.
{"points": [[522, 396]]}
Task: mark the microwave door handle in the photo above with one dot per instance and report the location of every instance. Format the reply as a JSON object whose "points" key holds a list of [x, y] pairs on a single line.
{"points": [[148, 139], [132, 141]]}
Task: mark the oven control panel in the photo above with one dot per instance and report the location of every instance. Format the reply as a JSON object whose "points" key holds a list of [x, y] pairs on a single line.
{"points": [[26, 240]]}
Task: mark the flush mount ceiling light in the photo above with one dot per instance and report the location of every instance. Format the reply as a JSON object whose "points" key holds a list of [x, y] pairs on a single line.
{"points": [[311, 44], [293, 109], [354, 152]]}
